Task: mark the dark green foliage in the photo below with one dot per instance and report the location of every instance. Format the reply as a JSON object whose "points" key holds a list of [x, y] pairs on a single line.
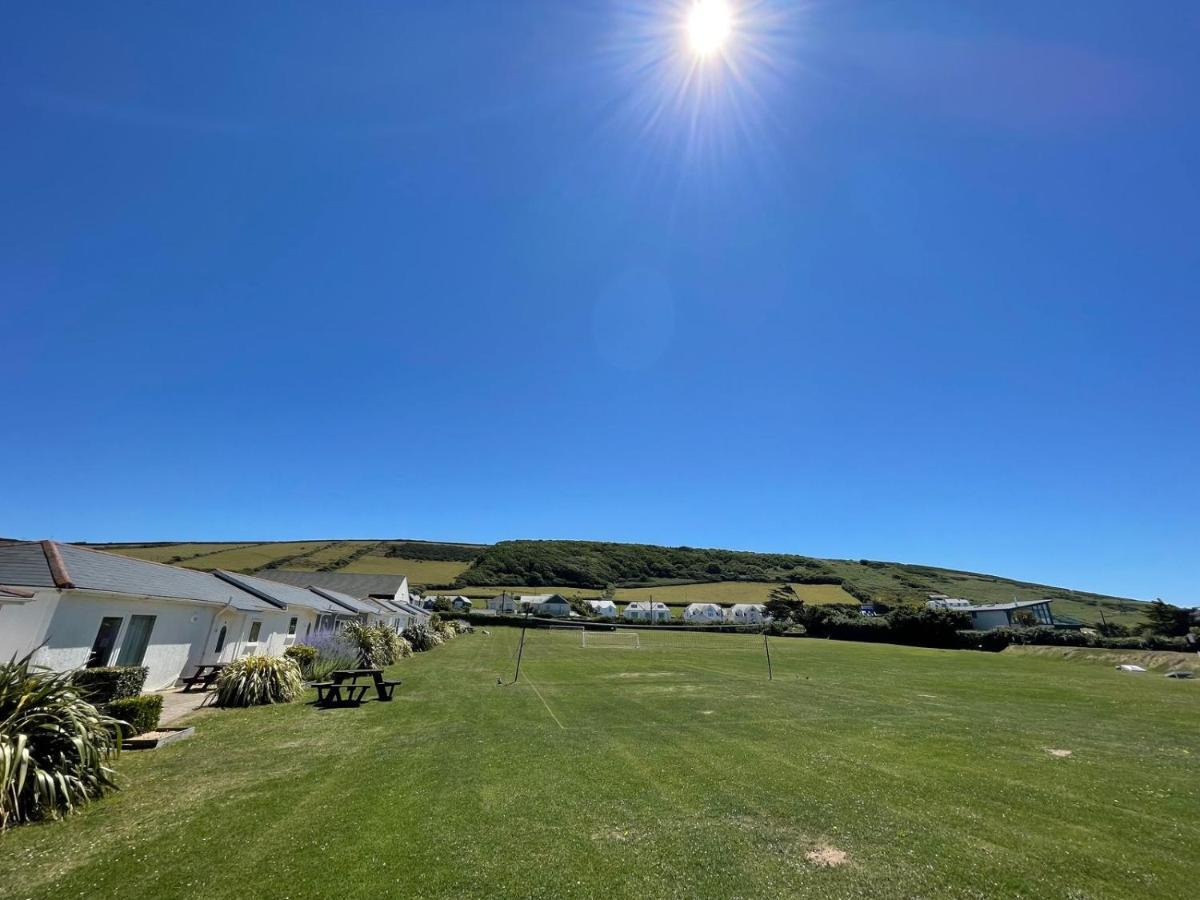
{"points": [[593, 564], [136, 714], [54, 745], [1168, 620], [104, 685], [439, 552], [783, 605]]}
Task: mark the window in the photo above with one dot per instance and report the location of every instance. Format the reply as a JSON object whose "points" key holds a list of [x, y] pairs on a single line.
{"points": [[307, 628], [106, 639], [255, 630], [220, 640], [292, 625], [137, 639]]}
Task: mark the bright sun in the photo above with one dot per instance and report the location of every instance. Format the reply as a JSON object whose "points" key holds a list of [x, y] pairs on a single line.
{"points": [[708, 25]]}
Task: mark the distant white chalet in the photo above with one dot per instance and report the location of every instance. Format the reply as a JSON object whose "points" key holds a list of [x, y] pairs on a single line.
{"points": [[605, 609], [647, 611], [703, 614], [746, 613]]}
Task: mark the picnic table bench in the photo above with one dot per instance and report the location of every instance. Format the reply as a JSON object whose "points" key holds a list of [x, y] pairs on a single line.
{"points": [[331, 693], [205, 675], [383, 688]]}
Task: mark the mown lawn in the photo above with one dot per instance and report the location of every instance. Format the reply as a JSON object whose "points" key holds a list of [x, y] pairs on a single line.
{"points": [[674, 770]]}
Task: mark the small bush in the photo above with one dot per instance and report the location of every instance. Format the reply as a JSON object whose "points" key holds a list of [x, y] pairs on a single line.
{"points": [[377, 645], [304, 656], [104, 685], [421, 637], [334, 651], [137, 715], [259, 680], [54, 744]]}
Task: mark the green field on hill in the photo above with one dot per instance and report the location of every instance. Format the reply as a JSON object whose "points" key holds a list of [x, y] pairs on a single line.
{"points": [[673, 574], [673, 770]]}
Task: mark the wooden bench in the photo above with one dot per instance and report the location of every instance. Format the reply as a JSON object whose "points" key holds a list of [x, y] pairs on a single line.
{"points": [[330, 693]]}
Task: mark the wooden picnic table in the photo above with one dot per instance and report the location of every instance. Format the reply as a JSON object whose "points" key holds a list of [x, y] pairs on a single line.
{"points": [[383, 688], [205, 675]]}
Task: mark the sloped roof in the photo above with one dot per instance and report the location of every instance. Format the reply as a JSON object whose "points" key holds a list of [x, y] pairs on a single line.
{"points": [[355, 584], [1005, 607], [704, 606], [51, 564], [282, 595], [351, 603]]}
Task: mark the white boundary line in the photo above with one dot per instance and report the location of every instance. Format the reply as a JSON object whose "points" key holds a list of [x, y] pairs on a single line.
{"points": [[545, 704]]}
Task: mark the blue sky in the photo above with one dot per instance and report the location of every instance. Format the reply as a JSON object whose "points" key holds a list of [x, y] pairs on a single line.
{"points": [[905, 280]]}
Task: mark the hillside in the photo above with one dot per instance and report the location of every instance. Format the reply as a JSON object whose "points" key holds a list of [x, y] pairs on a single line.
{"points": [[592, 565], [673, 574]]}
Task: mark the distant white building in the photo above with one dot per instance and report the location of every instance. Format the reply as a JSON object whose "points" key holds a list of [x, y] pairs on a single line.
{"points": [[941, 601], [746, 613], [647, 611], [544, 604], [605, 609], [502, 603], [703, 614]]}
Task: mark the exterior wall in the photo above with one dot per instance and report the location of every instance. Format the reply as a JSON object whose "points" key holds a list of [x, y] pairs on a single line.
{"points": [[175, 640], [985, 621], [554, 609], [23, 625]]}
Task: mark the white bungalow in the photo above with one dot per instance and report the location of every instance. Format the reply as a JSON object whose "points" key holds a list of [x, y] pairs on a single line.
{"points": [[746, 613], [79, 607], [704, 614], [605, 609], [647, 611], [544, 605]]}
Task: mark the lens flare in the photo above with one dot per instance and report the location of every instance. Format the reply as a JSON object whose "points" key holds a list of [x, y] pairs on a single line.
{"points": [[709, 25]]}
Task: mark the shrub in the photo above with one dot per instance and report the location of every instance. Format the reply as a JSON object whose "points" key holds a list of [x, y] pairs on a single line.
{"points": [[302, 655], [137, 715], [377, 645], [103, 685], [53, 744], [334, 651], [447, 631], [421, 637], [258, 680]]}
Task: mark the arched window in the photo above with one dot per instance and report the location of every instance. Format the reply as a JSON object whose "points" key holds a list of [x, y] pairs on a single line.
{"points": [[220, 640]]}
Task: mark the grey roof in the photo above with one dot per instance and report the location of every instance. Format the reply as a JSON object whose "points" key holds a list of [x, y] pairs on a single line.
{"points": [[1003, 607], [351, 603], [283, 595], [356, 584], [26, 564]]}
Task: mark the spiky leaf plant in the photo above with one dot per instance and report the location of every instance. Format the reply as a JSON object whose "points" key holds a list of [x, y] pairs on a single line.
{"points": [[259, 680], [421, 637], [54, 744]]}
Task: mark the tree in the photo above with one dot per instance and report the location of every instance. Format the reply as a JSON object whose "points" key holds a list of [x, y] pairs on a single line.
{"points": [[1167, 619], [783, 605]]}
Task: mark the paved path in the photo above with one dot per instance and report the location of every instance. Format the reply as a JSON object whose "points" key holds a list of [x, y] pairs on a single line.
{"points": [[177, 704]]}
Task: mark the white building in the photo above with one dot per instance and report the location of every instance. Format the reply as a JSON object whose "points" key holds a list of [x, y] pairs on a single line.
{"points": [[544, 605], [605, 609], [746, 613], [502, 603], [941, 601], [647, 611], [704, 614], [79, 607]]}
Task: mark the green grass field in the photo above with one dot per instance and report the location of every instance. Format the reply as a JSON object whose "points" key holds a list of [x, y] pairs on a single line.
{"points": [[419, 571], [675, 770]]}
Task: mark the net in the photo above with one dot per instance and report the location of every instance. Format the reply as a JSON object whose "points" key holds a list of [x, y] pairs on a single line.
{"points": [[613, 640]]}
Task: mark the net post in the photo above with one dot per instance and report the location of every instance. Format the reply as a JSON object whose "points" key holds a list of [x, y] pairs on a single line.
{"points": [[767, 649], [521, 649]]}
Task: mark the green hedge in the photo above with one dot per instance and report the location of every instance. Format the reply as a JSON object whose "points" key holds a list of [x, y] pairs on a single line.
{"points": [[137, 714], [104, 685]]}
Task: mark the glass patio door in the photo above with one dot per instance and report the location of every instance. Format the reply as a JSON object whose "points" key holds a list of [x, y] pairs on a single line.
{"points": [[106, 639], [137, 639]]}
